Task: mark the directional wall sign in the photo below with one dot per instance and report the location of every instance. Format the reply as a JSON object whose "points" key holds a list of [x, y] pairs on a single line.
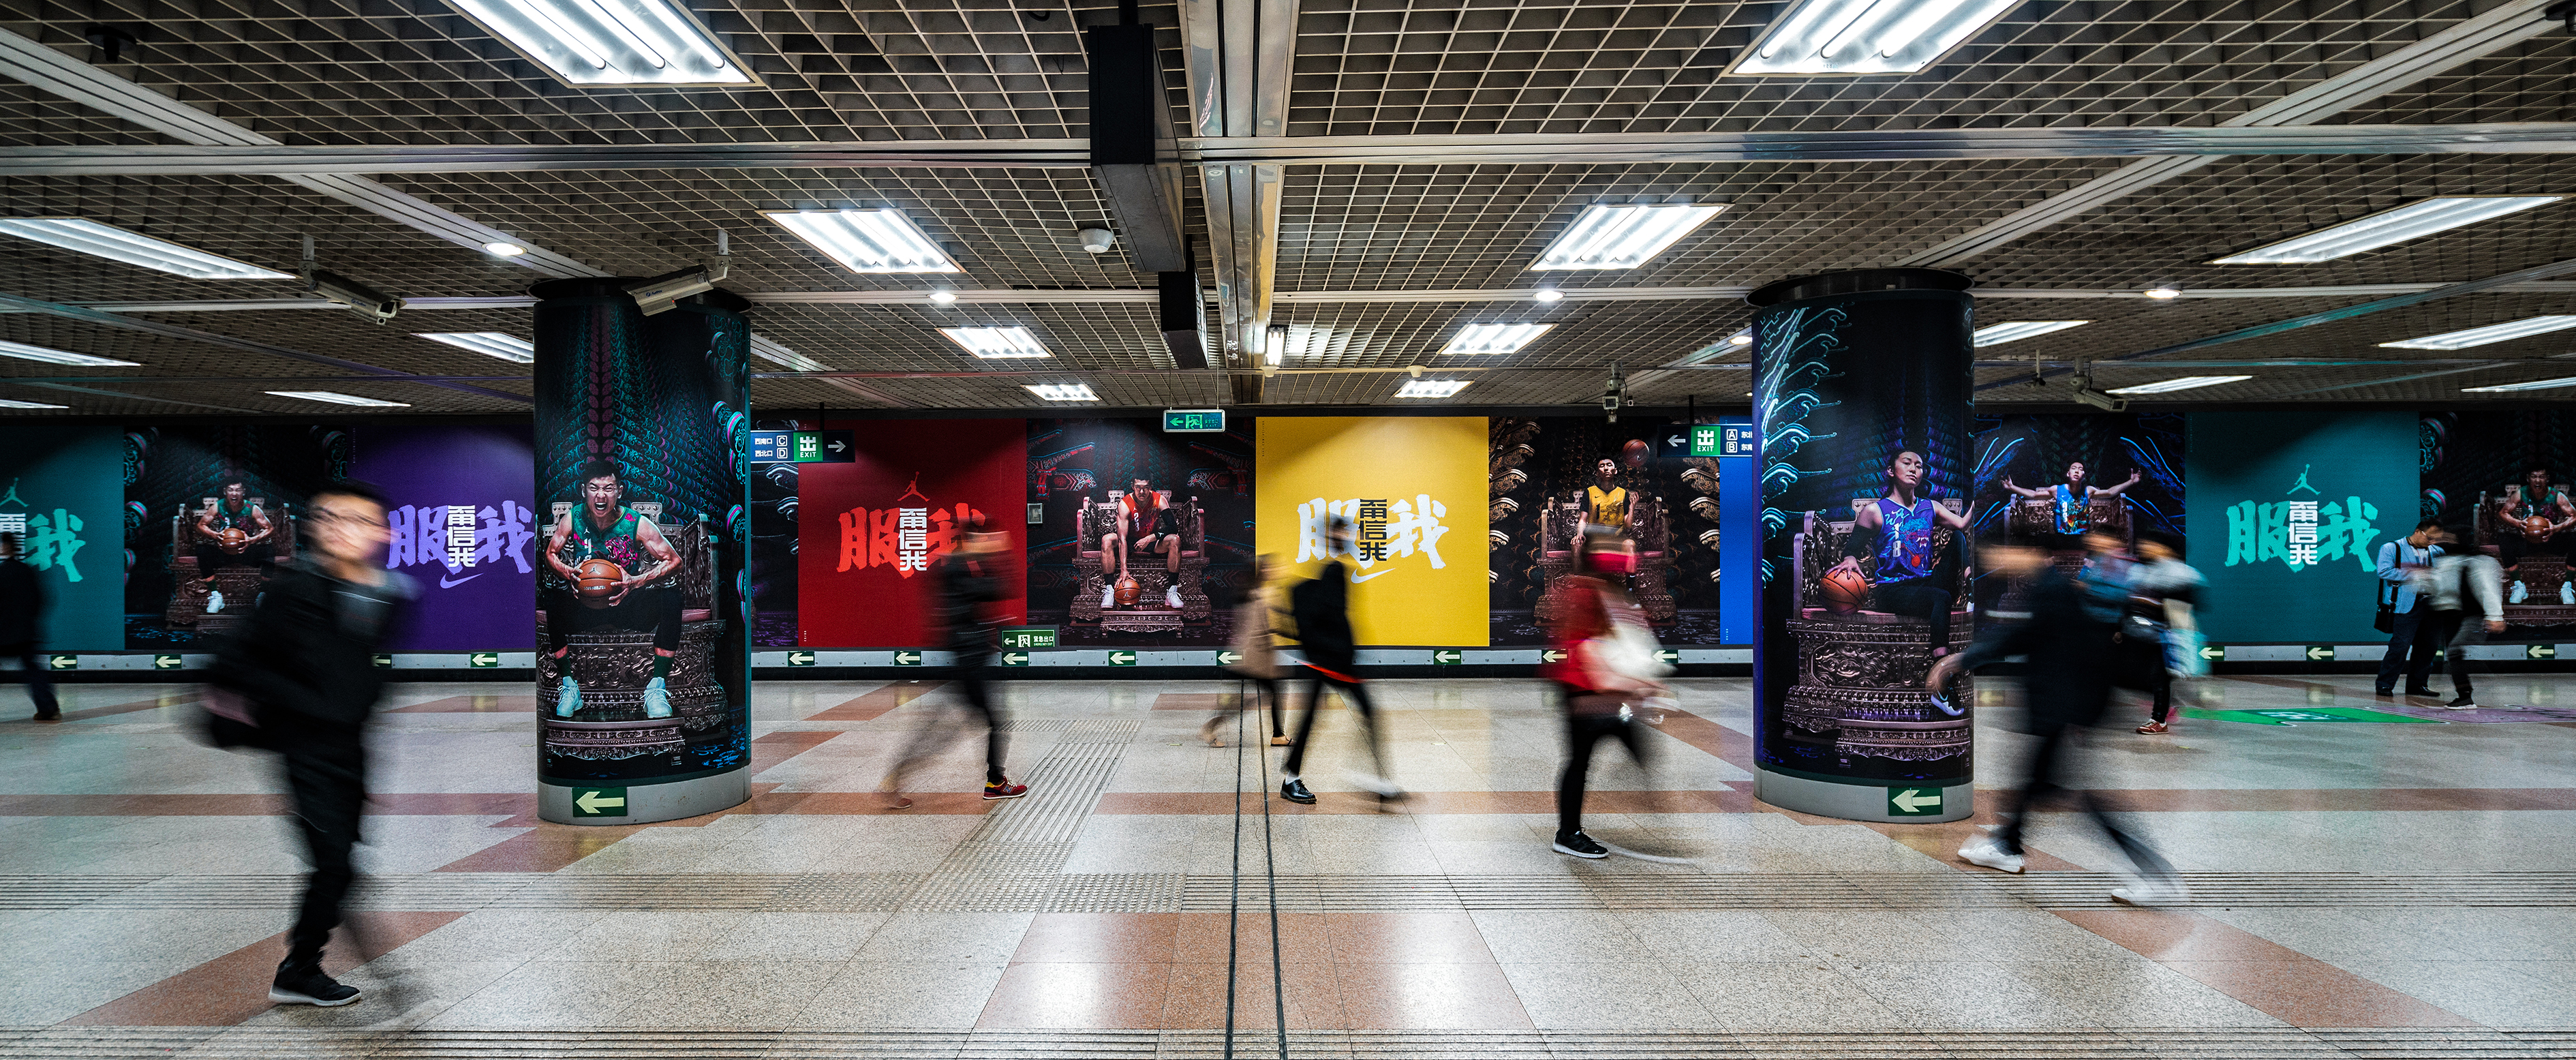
{"points": [[599, 802], [62, 662], [384, 660], [2320, 653], [1037, 514], [1228, 657], [1551, 655], [1029, 637], [1015, 658], [803, 447], [1727, 439], [1122, 658], [483, 660], [1193, 421], [2213, 652], [2540, 651], [1913, 802], [1703, 439], [1668, 656], [907, 657], [800, 658], [1447, 656], [165, 662]]}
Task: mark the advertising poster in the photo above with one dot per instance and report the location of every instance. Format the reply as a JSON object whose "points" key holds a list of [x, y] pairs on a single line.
{"points": [[2051, 477], [1147, 538], [868, 529], [2506, 475], [773, 548], [209, 513], [1549, 477], [465, 529], [64, 496], [2292, 509], [1413, 488]]}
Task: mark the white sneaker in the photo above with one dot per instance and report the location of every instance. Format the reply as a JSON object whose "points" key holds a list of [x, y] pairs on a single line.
{"points": [[2519, 594], [2567, 592], [1172, 597], [2162, 891], [215, 602], [1375, 785], [1108, 597], [1983, 850]]}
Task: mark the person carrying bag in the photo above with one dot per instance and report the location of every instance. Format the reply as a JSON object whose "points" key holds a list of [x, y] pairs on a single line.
{"points": [[1608, 669], [1259, 662]]}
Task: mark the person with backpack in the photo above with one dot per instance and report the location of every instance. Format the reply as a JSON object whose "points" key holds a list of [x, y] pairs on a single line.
{"points": [[2164, 593], [1321, 607], [1607, 668]]}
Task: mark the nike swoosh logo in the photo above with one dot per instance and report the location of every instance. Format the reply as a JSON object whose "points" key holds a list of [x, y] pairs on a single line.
{"points": [[1358, 578], [443, 583]]}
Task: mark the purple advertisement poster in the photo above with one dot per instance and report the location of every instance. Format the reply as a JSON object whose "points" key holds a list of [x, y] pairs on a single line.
{"points": [[463, 529]]}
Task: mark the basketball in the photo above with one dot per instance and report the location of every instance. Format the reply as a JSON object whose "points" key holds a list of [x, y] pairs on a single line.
{"points": [[596, 580], [1128, 591], [1633, 454], [1844, 590], [234, 539], [2536, 527]]}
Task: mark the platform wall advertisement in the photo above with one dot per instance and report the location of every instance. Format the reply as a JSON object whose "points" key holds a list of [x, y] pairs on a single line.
{"points": [[2291, 509], [210, 514], [2507, 477], [1414, 491], [465, 529], [1145, 538], [1550, 477], [2048, 478], [869, 529], [64, 501]]}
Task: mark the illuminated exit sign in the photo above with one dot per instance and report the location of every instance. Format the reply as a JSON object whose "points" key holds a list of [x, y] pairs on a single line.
{"points": [[1193, 421]]}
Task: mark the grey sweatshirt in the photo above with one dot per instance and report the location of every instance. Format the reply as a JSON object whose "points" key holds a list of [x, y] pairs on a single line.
{"points": [[2474, 572]]}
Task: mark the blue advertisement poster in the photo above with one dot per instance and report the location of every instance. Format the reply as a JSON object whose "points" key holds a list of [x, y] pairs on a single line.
{"points": [[64, 498], [464, 528], [2289, 510]]}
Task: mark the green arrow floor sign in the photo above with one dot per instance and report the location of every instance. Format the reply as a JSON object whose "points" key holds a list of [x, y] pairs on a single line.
{"points": [[907, 657], [1122, 658], [483, 660], [800, 658], [1015, 658], [599, 802], [1447, 656], [165, 662], [1913, 802]]}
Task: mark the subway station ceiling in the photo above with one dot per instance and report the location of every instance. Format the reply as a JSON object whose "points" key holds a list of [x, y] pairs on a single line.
{"points": [[1371, 176]]}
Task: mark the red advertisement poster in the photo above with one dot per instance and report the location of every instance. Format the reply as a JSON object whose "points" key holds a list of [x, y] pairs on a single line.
{"points": [[868, 530]]}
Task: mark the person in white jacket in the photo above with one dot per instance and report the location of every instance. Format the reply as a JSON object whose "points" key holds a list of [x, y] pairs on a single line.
{"points": [[2460, 577]]}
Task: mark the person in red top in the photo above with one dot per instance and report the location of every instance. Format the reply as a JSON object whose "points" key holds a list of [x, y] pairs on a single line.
{"points": [[1598, 684]]}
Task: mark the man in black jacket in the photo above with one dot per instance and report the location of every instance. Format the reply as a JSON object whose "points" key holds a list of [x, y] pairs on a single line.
{"points": [[2071, 640], [1321, 607], [306, 665], [962, 582], [22, 607]]}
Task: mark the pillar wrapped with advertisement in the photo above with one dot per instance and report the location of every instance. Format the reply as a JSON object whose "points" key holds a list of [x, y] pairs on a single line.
{"points": [[1862, 393], [643, 663]]}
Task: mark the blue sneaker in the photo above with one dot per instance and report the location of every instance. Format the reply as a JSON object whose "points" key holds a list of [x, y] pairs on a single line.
{"points": [[1941, 702], [657, 701], [567, 698]]}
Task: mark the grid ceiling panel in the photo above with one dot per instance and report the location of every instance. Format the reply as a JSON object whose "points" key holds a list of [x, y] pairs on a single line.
{"points": [[1587, 334], [2531, 81]]}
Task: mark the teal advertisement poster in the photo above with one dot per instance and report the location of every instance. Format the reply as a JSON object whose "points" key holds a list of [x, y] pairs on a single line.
{"points": [[2288, 511], [65, 499]]}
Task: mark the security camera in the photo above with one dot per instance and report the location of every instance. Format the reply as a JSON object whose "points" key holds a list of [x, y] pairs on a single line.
{"points": [[2089, 396], [1611, 395], [1097, 240], [661, 293], [367, 302]]}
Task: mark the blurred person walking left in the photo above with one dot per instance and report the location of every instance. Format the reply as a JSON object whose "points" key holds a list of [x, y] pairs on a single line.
{"points": [[964, 583], [1607, 670], [1258, 654], [305, 669], [22, 610], [2462, 578], [1321, 608]]}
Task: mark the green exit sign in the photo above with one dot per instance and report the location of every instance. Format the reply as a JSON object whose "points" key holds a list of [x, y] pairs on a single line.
{"points": [[1721, 439], [1704, 439], [1025, 637], [1193, 421]]}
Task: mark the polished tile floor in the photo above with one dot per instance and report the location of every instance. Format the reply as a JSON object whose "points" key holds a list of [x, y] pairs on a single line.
{"points": [[2363, 884]]}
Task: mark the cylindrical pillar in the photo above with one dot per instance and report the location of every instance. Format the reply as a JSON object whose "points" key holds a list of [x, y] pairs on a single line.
{"points": [[1862, 390], [643, 648]]}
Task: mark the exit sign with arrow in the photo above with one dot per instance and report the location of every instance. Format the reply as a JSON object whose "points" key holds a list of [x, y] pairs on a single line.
{"points": [[483, 660], [1551, 655], [165, 662], [599, 802], [62, 662], [2540, 651], [907, 657], [1122, 658], [1228, 657], [1447, 656], [2213, 652], [800, 658], [1015, 658], [2320, 653], [1913, 802]]}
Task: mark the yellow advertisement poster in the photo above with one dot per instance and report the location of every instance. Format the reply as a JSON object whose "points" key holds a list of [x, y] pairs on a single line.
{"points": [[1414, 491]]}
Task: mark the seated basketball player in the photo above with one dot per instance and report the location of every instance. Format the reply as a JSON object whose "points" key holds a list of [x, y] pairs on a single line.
{"points": [[1605, 502], [602, 527], [2073, 499], [2533, 516], [1145, 525], [232, 510], [1893, 537]]}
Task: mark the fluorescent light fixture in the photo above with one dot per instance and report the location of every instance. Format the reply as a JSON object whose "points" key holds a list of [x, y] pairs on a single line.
{"points": [[867, 240], [1494, 338], [943, 297], [1621, 237], [1062, 391], [1546, 294], [2163, 293], [2461, 340], [499, 344], [774, 353], [1998, 334], [6, 403], [1867, 36], [997, 342], [1286, 341], [1741, 338], [1431, 388], [24, 352], [2189, 382], [2512, 388], [109, 241], [596, 43], [505, 250], [340, 399], [2386, 227]]}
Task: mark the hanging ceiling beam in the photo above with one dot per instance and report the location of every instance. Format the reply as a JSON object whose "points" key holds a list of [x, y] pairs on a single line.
{"points": [[174, 331], [1237, 56]]}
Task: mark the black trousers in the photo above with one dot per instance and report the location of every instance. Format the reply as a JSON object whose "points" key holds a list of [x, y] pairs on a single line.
{"points": [[1358, 696], [968, 672], [40, 682], [326, 772], [1919, 598], [2055, 747], [2456, 631], [2164, 695], [1582, 733], [2410, 649], [1264, 688], [654, 610]]}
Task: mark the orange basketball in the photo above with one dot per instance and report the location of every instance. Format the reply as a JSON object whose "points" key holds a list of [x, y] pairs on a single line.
{"points": [[1128, 592], [1844, 590], [1633, 454], [234, 538], [2536, 527], [596, 580]]}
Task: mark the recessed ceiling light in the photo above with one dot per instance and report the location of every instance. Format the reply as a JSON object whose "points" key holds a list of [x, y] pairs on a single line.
{"points": [[1999, 334], [506, 250], [2461, 340], [774, 353], [499, 344], [1431, 388], [2187, 382], [2163, 292], [2386, 227], [109, 241], [1741, 338], [997, 342], [2508, 388], [1867, 36], [1547, 294], [1621, 237], [340, 399], [943, 297], [866, 240], [1291, 340], [1062, 391], [24, 352], [1494, 338], [592, 43], [6, 403]]}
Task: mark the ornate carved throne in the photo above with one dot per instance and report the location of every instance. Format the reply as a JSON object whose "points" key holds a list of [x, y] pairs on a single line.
{"points": [[1559, 521], [2542, 573], [1095, 569], [1860, 676], [612, 666], [2030, 520], [240, 585]]}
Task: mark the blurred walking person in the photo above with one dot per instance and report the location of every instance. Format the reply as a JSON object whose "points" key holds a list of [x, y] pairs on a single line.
{"points": [[2461, 578], [1321, 608], [1259, 662], [2071, 640], [303, 673], [22, 611], [1608, 668], [964, 582], [2164, 592], [2409, 649]]}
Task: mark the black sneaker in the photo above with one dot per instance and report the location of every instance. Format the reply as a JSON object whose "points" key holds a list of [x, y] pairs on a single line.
{"points": [[2465, 702], [1581, 846], [1294, 790], [2425, 692], [308, 985]]}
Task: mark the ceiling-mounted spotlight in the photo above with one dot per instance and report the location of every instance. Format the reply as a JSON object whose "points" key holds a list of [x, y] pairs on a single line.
{"points": [[2163, 293], [112, 42], [943, 297], [500, 249], [1546, 294], [1097, 240], [661, 293]]}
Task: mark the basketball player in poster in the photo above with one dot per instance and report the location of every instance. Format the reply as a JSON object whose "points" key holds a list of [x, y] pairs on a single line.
{"points": [[2072, 499], [232, 532], [1148, 526], [1605, 503], [1890, 545], [614, 562], [2534, 516]]}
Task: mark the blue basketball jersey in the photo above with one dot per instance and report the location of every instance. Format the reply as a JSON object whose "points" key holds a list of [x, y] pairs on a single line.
{"points": [[2073, 511], [1905, 540]]}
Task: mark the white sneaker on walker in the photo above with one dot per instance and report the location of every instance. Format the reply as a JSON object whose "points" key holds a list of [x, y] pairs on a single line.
{"points": [[1172, 597], [1983, 850], [2157, 890]]}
